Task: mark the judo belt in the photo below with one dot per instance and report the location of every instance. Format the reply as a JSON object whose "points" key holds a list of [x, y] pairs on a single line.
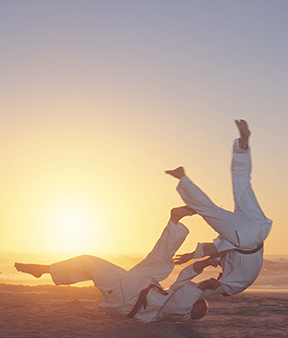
{"points": [[142, 299], [245, 252], [249, 252]]}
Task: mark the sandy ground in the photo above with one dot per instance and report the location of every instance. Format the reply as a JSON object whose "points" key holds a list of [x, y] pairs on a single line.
{"points": [[53, 311]]}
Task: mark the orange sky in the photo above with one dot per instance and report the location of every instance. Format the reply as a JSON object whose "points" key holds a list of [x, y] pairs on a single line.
{"points": [[99, 98]]}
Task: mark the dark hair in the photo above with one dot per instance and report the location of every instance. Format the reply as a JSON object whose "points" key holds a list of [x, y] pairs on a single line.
{"points": [[201, 307]]}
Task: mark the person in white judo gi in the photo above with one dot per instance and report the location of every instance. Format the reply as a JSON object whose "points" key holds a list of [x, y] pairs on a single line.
{"points": [[239, 246], [137, 293]]}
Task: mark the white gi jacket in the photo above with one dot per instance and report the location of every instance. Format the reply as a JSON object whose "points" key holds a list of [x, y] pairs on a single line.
{"points": [[175, 307], [245, 228]]}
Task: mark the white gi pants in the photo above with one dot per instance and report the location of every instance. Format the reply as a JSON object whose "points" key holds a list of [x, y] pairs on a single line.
{"points": [[247, 227], [118, 286]]}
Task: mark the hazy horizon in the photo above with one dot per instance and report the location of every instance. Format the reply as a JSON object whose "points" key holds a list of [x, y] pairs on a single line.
{"points": [[98, 98], [273, 275]]}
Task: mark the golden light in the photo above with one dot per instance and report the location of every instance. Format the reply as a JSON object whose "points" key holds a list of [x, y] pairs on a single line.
{"points": [[73, 226]]}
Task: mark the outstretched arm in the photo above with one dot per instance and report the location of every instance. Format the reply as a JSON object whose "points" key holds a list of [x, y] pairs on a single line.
{"points": [[209, 284], [191, 271], [208, 250], [181, 259]]}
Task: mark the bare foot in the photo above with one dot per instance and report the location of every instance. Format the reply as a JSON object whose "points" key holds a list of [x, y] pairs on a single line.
{"points": [[180, 212], [177, 173], [244, 133], [35, 270]]}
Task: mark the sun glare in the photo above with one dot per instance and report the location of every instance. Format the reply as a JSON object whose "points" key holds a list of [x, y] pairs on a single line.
{"points": [[72, 227], [71, 224]]}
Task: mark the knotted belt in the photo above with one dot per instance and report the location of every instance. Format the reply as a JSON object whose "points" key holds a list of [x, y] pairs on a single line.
{"points": [[142, 300], [249, 252], [245, 252]]}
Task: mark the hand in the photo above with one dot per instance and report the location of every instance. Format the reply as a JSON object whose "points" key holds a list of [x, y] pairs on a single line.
{"points": [[220, 275], [181, 259], [211, 284], [212, 262]]}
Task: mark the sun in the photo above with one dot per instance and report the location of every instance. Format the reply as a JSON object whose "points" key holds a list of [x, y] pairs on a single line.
{"points": [[71, 225]]}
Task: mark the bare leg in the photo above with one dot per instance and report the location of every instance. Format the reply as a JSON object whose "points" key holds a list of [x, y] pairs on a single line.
{"points": [[159, 262], [245, 200], [180, 212], [35, 270], [244, 133], [177, 173]]}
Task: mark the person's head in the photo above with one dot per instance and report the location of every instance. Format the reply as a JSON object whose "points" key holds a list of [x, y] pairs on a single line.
{"points": [[199, 309]]}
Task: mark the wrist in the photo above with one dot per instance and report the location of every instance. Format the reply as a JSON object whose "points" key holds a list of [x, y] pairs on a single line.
{"points": [[198, 266], [203, 286]]}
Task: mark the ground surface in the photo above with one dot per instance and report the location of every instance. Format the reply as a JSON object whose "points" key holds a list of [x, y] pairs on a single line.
{"points": [[50, 311]]}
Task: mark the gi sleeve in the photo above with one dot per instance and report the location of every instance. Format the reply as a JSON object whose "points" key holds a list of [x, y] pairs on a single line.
{"points": [[184, 276]]}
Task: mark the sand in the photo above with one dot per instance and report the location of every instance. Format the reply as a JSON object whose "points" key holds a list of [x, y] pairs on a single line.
{"points": [[53, 311]]}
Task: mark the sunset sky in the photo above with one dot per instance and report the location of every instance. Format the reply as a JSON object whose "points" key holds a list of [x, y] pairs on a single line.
{"points": [[98, 98]]}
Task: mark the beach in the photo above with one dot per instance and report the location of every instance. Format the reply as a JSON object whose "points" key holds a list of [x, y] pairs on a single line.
{"points": [[69, 311], [35, 307]]}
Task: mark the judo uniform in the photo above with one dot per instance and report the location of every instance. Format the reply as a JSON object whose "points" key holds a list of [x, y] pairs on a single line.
{"points": [[246, 228], [121, 288]]}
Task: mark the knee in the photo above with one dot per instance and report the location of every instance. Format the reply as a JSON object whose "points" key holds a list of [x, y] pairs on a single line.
{"points": [[85, 259]]}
